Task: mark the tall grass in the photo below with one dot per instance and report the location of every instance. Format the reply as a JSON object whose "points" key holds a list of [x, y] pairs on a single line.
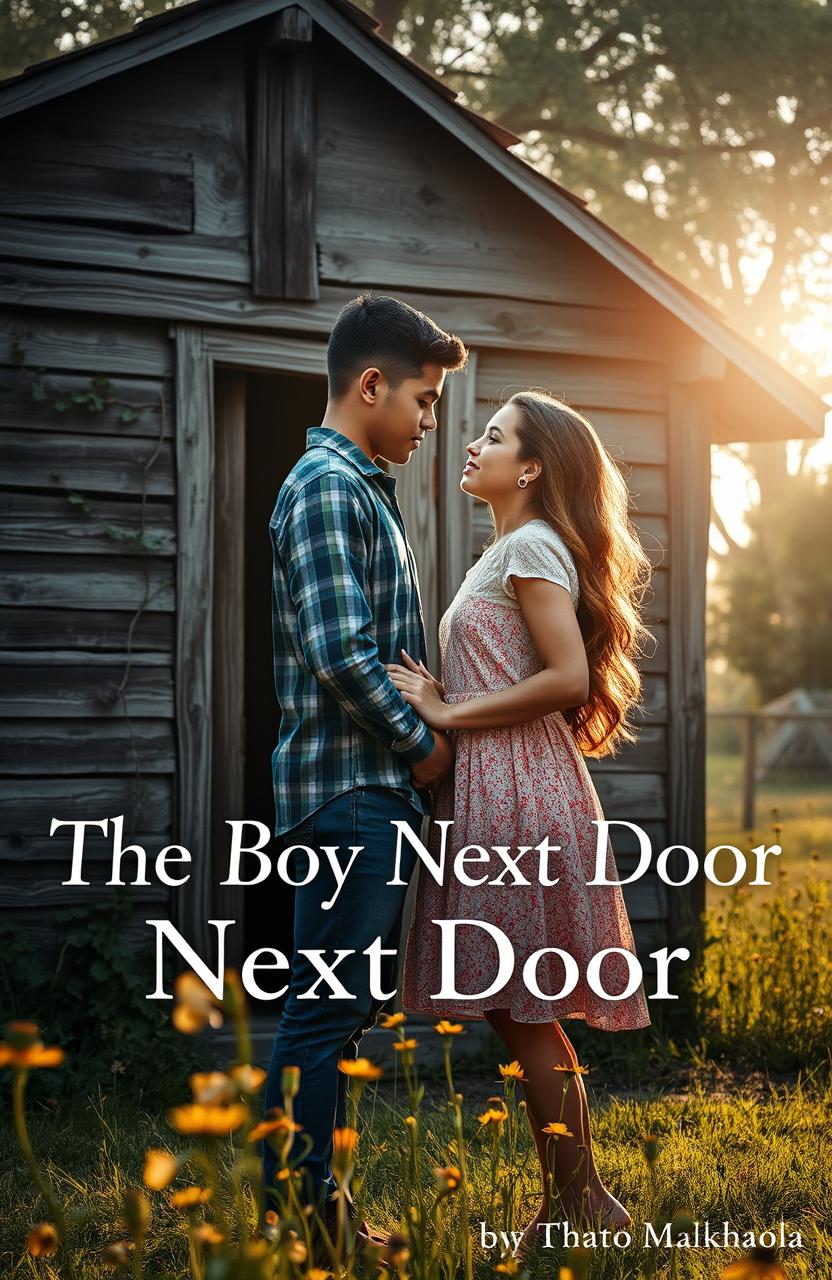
{"points": [[187, 1200]]}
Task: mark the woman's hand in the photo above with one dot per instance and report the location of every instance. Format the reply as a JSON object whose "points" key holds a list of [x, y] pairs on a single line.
{"points": [[420, 666], [422, 690]]}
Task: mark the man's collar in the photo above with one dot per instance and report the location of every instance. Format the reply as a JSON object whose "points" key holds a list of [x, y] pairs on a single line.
{"points": [[346, 448]]}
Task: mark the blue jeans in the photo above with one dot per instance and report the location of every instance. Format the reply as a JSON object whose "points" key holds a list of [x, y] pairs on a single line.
{"points": [[315, 1034]]}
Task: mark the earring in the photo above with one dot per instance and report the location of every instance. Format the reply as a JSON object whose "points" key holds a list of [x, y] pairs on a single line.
{"points": [[523, 481]]}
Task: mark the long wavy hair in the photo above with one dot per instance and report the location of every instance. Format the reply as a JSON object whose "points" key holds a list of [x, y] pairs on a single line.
{"points": [[583, 496]]}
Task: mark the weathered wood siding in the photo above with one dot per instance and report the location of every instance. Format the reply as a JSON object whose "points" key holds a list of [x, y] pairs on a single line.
{"points": [[144, 172], [127, 206], [86, 668]]}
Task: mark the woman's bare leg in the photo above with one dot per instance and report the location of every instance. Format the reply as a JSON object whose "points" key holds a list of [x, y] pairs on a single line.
{"points": [[558, 1096]]}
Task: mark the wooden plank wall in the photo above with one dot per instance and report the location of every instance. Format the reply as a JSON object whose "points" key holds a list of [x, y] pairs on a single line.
{"points": [[400, 205], [426, 220], [87, 631], [161, 154]]}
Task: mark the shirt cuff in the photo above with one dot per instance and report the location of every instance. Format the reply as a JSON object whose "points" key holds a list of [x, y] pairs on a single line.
{"points": [[417, 745]]}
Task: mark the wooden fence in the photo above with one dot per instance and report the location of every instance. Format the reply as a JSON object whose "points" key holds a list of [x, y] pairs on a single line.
{"points": [[750, 723]]}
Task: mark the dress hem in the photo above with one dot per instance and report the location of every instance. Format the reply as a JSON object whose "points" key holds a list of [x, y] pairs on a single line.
{"points": [[466, 1015]]}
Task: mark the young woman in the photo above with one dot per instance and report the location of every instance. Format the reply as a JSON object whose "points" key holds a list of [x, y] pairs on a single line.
{"points": [[537, 670]]}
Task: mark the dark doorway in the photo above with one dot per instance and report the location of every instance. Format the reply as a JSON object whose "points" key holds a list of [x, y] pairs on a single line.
{"points": [[280, 408]]}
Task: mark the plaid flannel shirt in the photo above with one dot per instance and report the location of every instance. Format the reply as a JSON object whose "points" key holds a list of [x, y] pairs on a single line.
{"points": [[345, 600]]}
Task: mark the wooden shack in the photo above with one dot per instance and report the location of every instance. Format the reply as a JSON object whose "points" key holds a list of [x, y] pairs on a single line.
{"points": [[185, 209]]}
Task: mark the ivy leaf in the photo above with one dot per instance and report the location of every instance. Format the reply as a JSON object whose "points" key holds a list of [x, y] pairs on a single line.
{"points": [[100, 380], [61, 405], [80, 397], [128, 415], [38, 391]]}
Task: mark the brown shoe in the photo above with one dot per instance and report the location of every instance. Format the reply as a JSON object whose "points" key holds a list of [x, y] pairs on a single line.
{"points": [[364, 1235]]}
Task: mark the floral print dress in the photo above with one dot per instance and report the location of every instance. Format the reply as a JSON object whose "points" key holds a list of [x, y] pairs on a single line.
{"points": [[514, 786]]}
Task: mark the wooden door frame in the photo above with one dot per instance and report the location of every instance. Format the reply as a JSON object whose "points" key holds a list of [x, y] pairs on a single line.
{"points": [[211, 364], [210, 425], [456, 513]]}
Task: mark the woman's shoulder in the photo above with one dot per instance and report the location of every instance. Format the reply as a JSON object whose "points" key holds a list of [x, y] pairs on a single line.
{"points": [[539, 533], [537, 543]]}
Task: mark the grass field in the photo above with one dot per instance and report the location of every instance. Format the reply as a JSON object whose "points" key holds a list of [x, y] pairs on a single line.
{"points": [[739, 1102], [751, 1157], [803, 811]]}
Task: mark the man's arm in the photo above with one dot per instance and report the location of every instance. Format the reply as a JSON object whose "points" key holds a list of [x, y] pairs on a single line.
{"points": [[326, 544]]}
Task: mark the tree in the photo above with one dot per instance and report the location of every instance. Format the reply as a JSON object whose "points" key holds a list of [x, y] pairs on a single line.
{"points": [[773, 618], [34, 30], [702, 132]]}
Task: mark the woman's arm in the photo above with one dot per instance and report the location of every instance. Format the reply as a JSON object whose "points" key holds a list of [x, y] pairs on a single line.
{"points": [[563, 682]]}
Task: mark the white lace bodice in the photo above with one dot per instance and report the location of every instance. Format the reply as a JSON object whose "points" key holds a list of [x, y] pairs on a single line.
{"points": [[534, 550]]}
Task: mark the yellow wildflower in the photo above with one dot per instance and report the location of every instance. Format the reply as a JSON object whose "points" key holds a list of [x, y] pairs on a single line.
{"points": [[509, 1267], [116, 1254], [557, 1129], [160, 1168], [392, 1020], [279, 1123], [445, 1028], [296, 1250], [206, 1233], [360, 1069], [396, 1251], [448, 1178], [189, 1196], [513, 1071], [23, 1049], [494, 1115], [290, 1081], [344, 1143], [574, 1070], [208, 1121], [42, 1240], [405, 1046], [210, 1087], [247, 1078], [759, 1264], [196, 1007]]}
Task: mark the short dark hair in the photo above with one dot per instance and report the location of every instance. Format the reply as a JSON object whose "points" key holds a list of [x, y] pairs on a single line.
{"points": [[391, 335]]}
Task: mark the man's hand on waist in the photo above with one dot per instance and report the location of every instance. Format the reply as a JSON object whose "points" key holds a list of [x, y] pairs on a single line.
{"points": [[427, 772]]}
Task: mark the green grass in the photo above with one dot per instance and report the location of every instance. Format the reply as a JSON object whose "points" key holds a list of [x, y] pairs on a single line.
{"points": [[803, 811], [732, 1147], [739, 1158], [748, 1161], [795, 798]]}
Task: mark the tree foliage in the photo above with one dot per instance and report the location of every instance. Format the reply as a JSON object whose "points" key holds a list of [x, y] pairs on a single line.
{"points": [[34, 30], [773, 618], [703, 132]]}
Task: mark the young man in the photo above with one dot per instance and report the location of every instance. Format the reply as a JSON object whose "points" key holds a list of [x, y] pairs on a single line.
{"points": [[352, 756]]}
